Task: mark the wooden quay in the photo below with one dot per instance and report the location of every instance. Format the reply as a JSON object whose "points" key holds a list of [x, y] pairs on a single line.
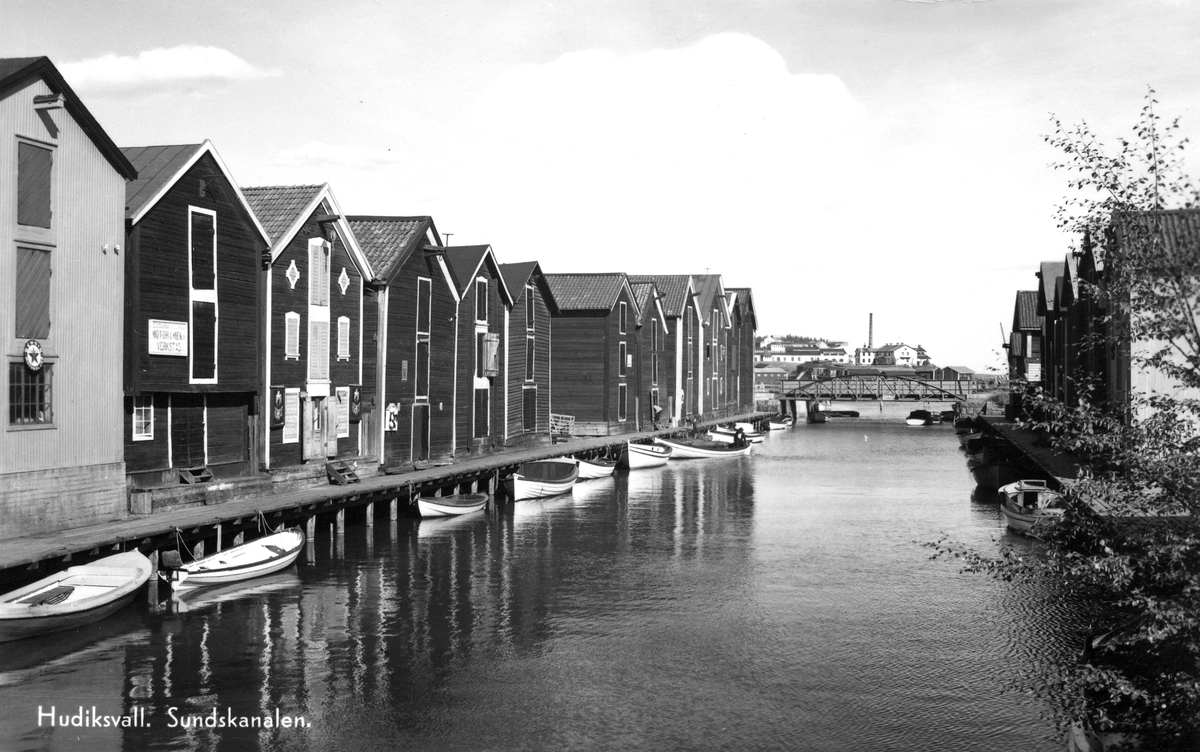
{"points": [[225, 524]]}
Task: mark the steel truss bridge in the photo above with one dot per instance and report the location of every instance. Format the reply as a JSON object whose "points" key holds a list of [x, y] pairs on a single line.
{"points": [[874, 387]]}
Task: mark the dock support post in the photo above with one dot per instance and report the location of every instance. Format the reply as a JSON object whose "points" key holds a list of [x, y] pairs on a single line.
{"points": [[394, 509], [491, 490], [310, 528], [198, 550], [341, 521], [239, 539], [218, 527], [152, 593], [474, 485], [370, 514]]}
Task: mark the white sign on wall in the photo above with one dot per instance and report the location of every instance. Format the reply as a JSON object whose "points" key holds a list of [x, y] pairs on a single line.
{"points": [[168, 337]]}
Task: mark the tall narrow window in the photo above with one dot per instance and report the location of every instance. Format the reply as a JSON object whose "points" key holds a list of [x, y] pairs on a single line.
{"points": [[622, 349], [621, 319], [480, 354], [143, 417], [530, 310], [202, 266], [653, 351], [291, 336], [622, 401], [421, 361], [33, 293], [481, 300], [529, 352], [343, 338], [29, 395], [482, 413], [529, 408], [319, 253], [35, 166]]}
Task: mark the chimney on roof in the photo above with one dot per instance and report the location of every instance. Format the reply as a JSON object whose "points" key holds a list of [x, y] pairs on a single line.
{"points": [[870, 330]]}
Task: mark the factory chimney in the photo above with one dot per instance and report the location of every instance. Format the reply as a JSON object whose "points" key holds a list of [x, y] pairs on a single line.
{"points": [[870, 330]]}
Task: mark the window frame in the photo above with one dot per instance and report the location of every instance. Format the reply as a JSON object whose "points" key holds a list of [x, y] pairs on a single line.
{"points": [[146, 409], [622, 356], [422, 337], [482, 293], [530, 310], [622, 323], [622, 402], [343, 338], [289, 318], [202, 296], [46, 372], [318, 371], [530, 358], [34, 233]]}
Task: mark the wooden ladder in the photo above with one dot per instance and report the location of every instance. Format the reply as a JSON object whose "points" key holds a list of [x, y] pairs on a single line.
{"points": [[198, 474], [340, 473]]}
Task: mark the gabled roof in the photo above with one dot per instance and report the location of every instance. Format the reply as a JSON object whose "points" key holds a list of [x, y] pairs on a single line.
{"points": [[712, 294], [1048, 275], [957, 369], [466, 260], [1025, 315], [589, 292], [517, 275], [673, 287], [388, 242], [648, 299], [283, 210], [160, 167], [745, 297], [15, 70]]}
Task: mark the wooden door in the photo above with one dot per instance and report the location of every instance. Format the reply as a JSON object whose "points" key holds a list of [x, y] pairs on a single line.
{"points": [[314, 420], [420, 433], [331, 426], [187, 430]]}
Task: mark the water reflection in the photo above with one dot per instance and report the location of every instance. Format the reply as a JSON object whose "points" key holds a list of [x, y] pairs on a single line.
{"points": [[776, 601]]}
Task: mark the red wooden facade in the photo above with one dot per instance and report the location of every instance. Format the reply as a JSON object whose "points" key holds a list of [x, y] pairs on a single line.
{"points": [[192, 346], [313, 328], [683, 343], [593, 371], [652, 356], [741, 346], [414, 321], [480, 365], [528, 344], [714, 375]]}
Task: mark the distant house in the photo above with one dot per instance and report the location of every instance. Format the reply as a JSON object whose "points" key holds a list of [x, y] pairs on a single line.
{"points": [[413, 323], [62, 462], [864, 356], [192, 347], [528, 351], [313, 337], [954, 373], [898, 354], [1025, 339], [482, 365], [768, 380], [592, 358]]}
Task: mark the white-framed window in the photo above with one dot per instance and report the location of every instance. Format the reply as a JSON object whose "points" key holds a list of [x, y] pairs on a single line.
{"points": [[622, 350], [622, 401], [319, 254], [143, 417], [481, 300], [202, 294], [621, 322], [291, 415], [31, 395], [342, 394], [530, 310], [291, 336], [35, 191], [421, 359], [343, 338], [530, 346]]}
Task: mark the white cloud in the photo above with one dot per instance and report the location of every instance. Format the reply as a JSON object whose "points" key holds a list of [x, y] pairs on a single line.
{"points": [[315, 153], [185, 66]]}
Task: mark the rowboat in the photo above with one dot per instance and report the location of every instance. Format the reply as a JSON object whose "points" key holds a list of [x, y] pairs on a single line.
{"points": [[184, 600], [691, 449], [256, 558], [451, 506], [639, 456], [777, 425], [597, 468], [1027, 504], [995, 474], [964, 438], [729, 435], [542, 478], [80, 595], [919, 418]]}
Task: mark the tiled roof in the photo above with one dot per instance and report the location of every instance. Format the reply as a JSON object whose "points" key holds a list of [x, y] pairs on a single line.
{"points": [[463, 261], [585, 292], [387, 242], [709, 287], [516, 276], [278, 206], [643, 293], [1026, 310], [673, 288], [156, 166]]}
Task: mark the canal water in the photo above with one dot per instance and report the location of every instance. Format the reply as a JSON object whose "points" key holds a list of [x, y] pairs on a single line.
{"points": [[782, 601]]}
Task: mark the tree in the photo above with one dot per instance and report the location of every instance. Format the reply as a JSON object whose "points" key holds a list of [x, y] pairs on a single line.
{"points": [[1129, 535]]}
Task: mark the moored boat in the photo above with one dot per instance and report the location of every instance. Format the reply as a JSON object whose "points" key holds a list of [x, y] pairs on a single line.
{"points": [[79, 595], [687, 449], [596, 468], [994, 474], [542, 478], [729, 435], [638, 456], [919, 418], [255, 558], [1027, 504], [965, 438], [451, 506]]}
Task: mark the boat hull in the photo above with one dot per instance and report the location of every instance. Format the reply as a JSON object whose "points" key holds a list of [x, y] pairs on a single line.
{"points": [[1024, 503], [451, 506], [693, 449], [593, 469], [95, 591], [257, 558], [640, 456], [542, 479], [993, 475]]}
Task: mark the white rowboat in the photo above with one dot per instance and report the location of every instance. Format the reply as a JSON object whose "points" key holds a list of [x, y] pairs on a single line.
{"points": [[592, 469], [542, 478], [80, 595], [638, 456], [1026, 505], [259, 557], [689, 449], [451, 506]]}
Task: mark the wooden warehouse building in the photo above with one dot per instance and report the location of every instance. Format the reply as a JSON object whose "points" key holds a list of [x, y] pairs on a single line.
{"points": [[528, 351]]}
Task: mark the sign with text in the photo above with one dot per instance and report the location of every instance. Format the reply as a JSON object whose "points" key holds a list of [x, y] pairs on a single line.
{"points": [[168, 337]]}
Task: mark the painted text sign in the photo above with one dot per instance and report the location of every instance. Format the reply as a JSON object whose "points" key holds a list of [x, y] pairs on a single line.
{"points": [[168, 337]]}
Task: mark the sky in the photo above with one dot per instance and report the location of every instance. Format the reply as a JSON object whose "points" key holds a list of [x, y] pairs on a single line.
{"points": [[842, 158]]}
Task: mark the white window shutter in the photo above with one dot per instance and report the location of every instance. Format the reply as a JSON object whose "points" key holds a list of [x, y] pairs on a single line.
{"points": [[291, 340], [343, 338], [318, 350]]}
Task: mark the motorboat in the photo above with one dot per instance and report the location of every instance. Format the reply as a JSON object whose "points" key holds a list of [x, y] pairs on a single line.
{"points": [[639, 456], [259, 557], [542, 478], [1029, 503], [451, 506], [919, 418], [79, 595], [686, 449], [596, 468]]}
